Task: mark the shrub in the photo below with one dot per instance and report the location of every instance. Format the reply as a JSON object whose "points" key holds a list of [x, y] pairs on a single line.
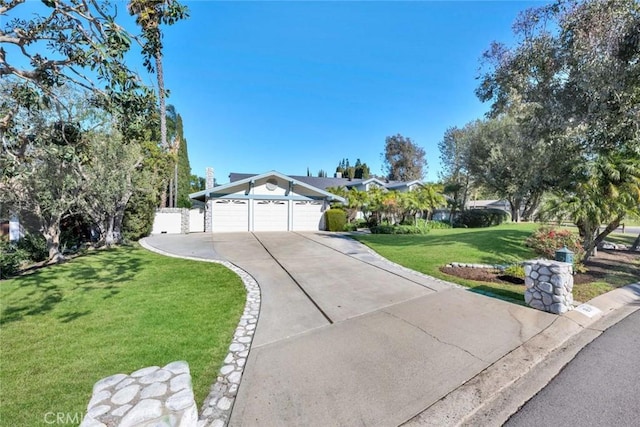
{"points": [[350, 227], [336, 219], [438, 225], [11, 257], [360, 223], [515, 270], [421, 226], [35, 247], [477, 218], [547, 240], [354, 225]]}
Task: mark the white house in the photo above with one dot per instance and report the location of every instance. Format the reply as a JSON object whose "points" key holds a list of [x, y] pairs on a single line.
{"points": [[270, 201]]}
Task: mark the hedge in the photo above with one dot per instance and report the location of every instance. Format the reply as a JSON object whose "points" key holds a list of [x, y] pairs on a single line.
{"points": [[336, 219], [477, 218]]}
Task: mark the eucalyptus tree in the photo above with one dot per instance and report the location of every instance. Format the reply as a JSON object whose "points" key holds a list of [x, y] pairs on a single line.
{"points": [[404, 160], [454, 159]]}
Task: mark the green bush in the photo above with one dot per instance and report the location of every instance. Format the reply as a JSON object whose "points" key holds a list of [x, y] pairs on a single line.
{"points": [[350, 227], [438, 225], [11, 258], [515, 270], [35, 247], [360, 223], [336, 219], [421, 226], [477, 218]]}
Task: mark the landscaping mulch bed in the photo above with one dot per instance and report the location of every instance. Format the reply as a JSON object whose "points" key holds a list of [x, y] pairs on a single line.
{"points": [[598, 268]]}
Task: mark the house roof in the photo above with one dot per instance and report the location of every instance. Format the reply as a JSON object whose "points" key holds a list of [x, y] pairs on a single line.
{"points": [[241, 180], [327, 182]]}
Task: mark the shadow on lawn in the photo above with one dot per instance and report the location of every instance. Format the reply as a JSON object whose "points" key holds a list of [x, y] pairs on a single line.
{"points": [[502, 294], [102, 271]]}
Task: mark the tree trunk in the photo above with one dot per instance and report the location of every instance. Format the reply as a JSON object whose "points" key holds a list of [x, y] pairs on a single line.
{"points": [[597, 237], [636, 244], [163, 194], [171, 205], [109, 239], [531, 206], [51, 232], [161, 98], [515, 209]]}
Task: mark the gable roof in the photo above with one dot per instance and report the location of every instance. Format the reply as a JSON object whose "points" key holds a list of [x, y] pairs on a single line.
{"points": [[327, 182], [241, 180]]}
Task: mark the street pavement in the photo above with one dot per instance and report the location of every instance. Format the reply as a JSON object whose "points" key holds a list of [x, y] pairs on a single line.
{"points": [[345, 337], [600, 387]]}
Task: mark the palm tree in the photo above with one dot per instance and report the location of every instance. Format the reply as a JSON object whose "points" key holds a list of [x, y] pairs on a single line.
{"points": [[149, 15], [609, 192]]}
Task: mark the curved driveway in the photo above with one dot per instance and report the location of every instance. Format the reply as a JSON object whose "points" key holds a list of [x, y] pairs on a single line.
{"points": [[346, 338]]}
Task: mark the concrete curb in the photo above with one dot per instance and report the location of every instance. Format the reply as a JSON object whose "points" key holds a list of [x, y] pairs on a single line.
{"points": [[492, 396], [217, 406]]}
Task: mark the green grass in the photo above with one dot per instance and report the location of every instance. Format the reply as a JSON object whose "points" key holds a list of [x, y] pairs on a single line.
{"points": [[67, 326], [427, 253], [503, 244]]}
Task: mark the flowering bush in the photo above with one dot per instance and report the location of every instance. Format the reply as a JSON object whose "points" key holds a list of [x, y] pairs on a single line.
{"points": [[547, 240]]}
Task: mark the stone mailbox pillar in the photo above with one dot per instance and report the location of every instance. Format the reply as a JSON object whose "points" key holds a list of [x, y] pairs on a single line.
{"points": [[549, 285]]}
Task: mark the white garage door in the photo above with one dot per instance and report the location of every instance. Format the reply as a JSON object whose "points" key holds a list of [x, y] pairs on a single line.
{"points": [[308, 216], [230, 215], [270, 215]]}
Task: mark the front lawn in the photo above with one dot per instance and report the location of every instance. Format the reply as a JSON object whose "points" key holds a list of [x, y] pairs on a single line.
{"points": [[67, 326], [503, 244]]}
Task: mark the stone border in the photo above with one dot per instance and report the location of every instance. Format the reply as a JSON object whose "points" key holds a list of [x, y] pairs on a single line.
{"points": [[500, 267], [216, 409]]}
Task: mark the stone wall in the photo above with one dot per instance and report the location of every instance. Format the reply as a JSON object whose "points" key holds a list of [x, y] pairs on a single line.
{"points": [[151, 396], [549, 285]]}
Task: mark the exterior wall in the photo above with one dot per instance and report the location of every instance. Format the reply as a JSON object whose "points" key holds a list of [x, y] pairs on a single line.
{"points": [[196, 220], [171, 221], [278, 191]]}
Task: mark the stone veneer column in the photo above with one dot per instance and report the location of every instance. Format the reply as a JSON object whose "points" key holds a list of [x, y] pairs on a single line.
{"points": [[208, 215], [151, 396], [549, 285]]}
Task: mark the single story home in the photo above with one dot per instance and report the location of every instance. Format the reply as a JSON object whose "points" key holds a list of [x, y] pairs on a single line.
{"points": [[270, 201], [325, 183]]}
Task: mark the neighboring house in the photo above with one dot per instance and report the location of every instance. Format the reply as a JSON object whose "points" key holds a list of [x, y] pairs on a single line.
{"points": [[270, 201], [489, 204]]}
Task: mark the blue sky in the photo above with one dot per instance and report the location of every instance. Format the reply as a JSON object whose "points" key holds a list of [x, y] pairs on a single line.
{"points": [[289, 85]]}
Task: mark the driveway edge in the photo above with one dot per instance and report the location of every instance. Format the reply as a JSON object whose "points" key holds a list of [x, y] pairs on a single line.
{"points": [[496, 393], [217, 406]]}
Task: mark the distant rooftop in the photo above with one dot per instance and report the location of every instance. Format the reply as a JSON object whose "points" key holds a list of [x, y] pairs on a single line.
{"points": [[320, 182]]}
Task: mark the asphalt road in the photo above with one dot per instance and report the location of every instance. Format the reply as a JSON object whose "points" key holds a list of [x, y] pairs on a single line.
{"points": [[599, 387]]}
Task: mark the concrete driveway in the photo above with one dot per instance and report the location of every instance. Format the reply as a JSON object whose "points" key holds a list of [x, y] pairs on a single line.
{"points": [[346, 338]]}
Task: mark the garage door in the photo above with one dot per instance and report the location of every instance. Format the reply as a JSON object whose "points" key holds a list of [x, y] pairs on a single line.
{"points": [[308, 216], [270, 215], [230, 215]]}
